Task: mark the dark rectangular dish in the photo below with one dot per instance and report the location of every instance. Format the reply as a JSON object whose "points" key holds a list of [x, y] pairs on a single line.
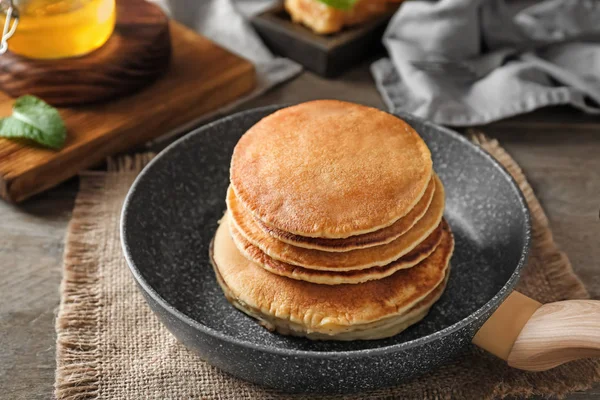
{"points": [[326, 55]]}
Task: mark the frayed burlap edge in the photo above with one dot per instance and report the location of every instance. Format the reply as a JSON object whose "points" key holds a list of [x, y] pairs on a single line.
{"points": [[76, 325], [77, 354]]}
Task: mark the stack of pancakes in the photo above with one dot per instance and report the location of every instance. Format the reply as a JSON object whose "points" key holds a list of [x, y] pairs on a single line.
{"points": [[335, 227]]}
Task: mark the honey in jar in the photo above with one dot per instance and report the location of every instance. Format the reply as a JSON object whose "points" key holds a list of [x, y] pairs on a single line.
{"points": [[61, 28]]}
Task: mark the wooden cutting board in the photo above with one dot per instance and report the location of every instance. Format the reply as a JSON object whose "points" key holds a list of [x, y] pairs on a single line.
{"points": [[201, 78]]}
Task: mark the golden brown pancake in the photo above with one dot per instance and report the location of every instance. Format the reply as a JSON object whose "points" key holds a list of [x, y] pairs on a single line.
{"points": [[332, 169], [326, 309], [375, 330], [365, 240], [416, 255], [346, 261]]}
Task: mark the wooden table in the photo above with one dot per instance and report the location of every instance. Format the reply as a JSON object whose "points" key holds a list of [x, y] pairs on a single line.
{"points": [[559, 149]]}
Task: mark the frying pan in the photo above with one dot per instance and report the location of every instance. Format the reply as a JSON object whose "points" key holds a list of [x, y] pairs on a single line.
{"points": [[171, 213]]}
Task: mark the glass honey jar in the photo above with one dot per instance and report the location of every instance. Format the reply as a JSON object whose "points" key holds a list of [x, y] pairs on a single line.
{"points": [[51, 29]]}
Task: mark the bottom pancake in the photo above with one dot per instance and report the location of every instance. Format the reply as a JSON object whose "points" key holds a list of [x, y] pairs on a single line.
{"points": [[370, 310], [373, 331]]}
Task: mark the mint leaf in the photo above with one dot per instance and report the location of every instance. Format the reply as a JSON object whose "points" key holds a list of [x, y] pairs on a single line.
{"points": [[35, 120], [340, 4], [12, 128]]}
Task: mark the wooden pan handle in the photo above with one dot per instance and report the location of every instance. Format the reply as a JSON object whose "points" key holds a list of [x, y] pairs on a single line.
{"points": [[557, 333], [537, 337]]}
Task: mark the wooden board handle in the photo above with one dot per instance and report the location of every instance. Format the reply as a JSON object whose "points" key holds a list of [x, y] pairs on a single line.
{"points": [[537, 337]]}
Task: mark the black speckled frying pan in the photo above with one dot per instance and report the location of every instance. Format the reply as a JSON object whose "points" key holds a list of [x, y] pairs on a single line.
{"points": [[171, 214]]}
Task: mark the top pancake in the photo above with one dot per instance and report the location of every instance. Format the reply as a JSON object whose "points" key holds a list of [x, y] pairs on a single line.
{"points": [[330, 169], [320, 307]]}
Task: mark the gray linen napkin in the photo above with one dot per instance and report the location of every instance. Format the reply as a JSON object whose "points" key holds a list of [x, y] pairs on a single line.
{"points": [[469, 62], [225, 22]]}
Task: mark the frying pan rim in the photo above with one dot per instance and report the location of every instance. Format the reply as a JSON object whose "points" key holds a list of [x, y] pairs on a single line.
{"points": [[492, 303]]}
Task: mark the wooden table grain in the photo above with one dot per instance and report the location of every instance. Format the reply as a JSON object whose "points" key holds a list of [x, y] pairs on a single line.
{"points": [[559, 150]]}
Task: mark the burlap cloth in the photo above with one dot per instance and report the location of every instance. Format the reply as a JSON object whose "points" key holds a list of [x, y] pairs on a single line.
{"points": [[110, 345]]}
